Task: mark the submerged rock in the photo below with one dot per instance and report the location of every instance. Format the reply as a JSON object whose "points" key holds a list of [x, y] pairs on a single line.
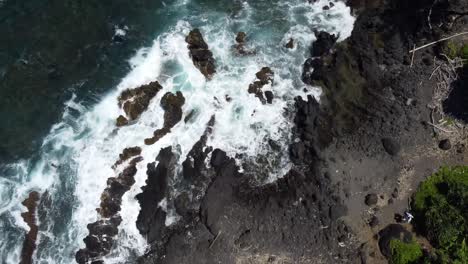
{"points": [[172, 106], [240, 44], [290, 44], [201, 56], [135, 101], [29, 244]]}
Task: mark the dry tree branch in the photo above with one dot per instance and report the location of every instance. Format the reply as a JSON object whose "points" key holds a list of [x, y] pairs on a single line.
{"points": [[437, 41]]}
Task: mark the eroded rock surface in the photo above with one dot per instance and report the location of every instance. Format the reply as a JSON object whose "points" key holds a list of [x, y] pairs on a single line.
{"points": [[102, 233], [264, 77], [135, 101], [29, 244], [151, 219], [172, 106], [240, 45], [202, 57]]}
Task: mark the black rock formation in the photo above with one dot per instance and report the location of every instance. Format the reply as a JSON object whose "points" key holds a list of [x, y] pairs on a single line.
{"points": [[172, 106], [202, 57], [135, 101]]}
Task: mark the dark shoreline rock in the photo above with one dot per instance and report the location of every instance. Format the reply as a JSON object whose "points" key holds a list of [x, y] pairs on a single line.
{"points": [[135, 101], [264, 76], [29, 245], [102, 233], [172, 106], [202, 57], [151, 219]]}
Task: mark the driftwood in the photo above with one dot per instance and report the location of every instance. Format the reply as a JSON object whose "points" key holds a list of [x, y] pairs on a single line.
{"points": [[437, 41]]}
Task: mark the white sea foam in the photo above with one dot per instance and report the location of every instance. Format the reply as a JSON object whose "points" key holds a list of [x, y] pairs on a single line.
{"points": [[79, 152]]}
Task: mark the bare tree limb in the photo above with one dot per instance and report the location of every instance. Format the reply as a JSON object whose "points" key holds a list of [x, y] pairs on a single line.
{"points": [[437, 41]]}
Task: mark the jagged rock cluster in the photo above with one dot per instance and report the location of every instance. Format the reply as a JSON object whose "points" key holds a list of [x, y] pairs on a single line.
{"points": [[264, 77], [102, 233], [172, 106], [135, 101], [202, 57], [240, 45]]}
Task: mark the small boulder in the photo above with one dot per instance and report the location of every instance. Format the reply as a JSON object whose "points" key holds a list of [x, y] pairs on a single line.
{"points": [[371, 199], [269, 96], [121, 121], [374, 221], [290, 44], [445, 144], [391, 146]]}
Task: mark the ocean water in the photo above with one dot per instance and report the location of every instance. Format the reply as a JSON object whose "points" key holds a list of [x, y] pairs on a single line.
{"points": [[76, 156]]}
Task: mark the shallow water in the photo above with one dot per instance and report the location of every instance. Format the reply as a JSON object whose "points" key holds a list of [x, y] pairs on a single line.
{"points": [[76, 156]]}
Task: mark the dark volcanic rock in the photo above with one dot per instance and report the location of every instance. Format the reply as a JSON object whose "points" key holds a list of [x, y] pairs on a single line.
{"points": [[200, 54], [264, 77], [290, 44], [172, 106], [135, 101], [371, 199], [29, 244], [126, 154], [151, 219], [100, 241], [102, 233], [240, 46], [391, 146], [323, 44], [445, 144]]}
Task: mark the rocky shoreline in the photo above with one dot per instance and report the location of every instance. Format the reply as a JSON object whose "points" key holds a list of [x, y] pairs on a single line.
{"points": [[381, 127], [361, 152]]}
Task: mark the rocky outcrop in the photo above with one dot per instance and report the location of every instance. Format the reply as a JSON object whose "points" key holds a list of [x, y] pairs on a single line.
{"points": [[323, 44], [135, 101], [201, 56], [264, 77], [152, 216], [240, 45], [172, 106], [102, 233], [29, 244], [126, 154]]}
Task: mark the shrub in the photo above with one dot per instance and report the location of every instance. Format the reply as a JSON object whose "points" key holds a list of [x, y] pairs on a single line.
{"points": [[441, 213], [405, 253]]}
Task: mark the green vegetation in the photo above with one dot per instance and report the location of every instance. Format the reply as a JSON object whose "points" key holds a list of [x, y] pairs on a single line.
{"points": [[453, 50], [405, 253], [441, 213]]}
